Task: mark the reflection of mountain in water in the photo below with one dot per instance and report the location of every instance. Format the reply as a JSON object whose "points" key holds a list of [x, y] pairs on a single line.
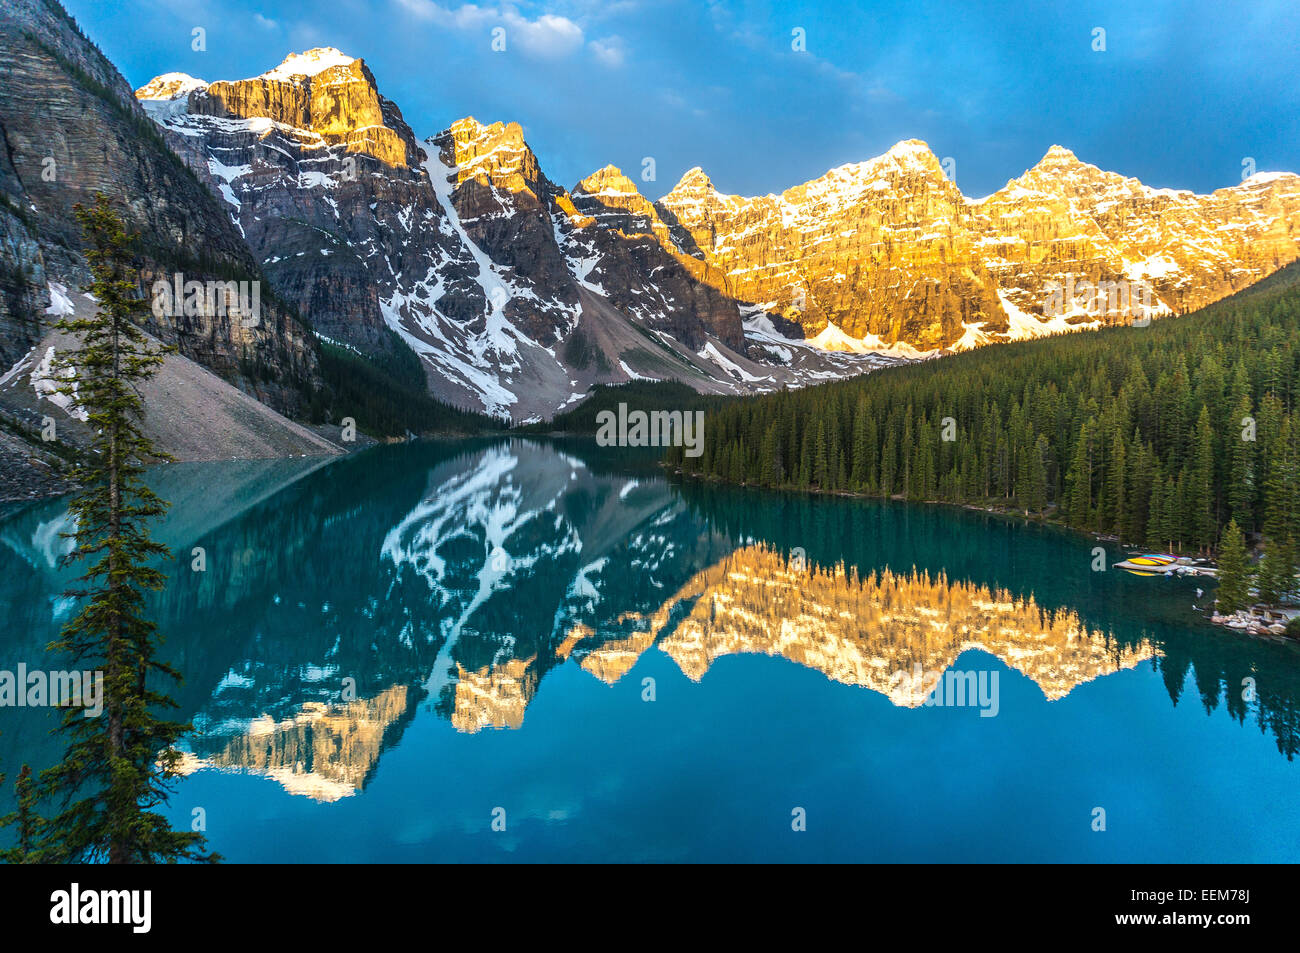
{"points": [[324, 752], [494, 697], [874, 631], [461, 595], [336, 601]]}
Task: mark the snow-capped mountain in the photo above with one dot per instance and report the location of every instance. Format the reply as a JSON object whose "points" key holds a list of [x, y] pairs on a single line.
{"points": [[517, 294], [520, 294], [889, 253]]}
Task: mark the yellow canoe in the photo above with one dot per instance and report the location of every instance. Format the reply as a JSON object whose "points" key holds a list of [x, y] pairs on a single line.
{"points": [[1153, 559]]}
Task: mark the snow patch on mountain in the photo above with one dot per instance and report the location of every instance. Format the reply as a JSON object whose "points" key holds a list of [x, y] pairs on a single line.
{"points": [[1025, 326], [307, 64], [52, 379], [832, 338], [712, 353], [500, 338], [60, 304], [973, 336]]}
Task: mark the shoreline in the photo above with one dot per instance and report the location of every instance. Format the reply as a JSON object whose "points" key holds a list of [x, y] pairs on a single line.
{"points": [[30, 475], [1249, 622]]}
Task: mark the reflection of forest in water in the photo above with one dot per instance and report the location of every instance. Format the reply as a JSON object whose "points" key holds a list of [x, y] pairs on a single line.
{"points": [[339, 597], [1054, 566]]}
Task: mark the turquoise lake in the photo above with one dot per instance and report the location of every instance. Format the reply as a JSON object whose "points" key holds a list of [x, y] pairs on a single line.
{"points": [[527, 650]]}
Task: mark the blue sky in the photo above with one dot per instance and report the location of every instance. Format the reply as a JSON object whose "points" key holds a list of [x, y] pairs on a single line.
{"points": [[1181, 96]]}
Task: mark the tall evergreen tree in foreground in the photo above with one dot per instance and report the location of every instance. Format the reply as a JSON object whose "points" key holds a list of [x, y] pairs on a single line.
{"points": [[118, 766]]}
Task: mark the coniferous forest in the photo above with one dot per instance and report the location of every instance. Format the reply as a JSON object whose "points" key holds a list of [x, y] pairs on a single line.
{"points": [[1161, 435]]}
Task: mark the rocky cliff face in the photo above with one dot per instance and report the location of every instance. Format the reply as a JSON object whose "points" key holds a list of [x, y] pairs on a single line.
{"points": [[1066, 219], [319, 174], [73, 128], [517, 294], [502, 201], [889, 252], [325, 92], [637, 266]]}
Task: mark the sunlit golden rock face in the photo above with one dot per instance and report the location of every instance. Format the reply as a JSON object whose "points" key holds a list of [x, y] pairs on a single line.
{"points": [[890, 249], [892, 633], [323, 752], [614, 201], [495, 156], [494, 697], [615, 658], [1065, 216], [321, 92]]}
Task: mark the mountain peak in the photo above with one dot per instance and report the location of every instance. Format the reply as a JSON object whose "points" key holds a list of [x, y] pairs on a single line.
{"points": [[1058, 157], [469, 129], [309, 63], [1059, 168], [1268, 178], [908, 157], [913, 154], [169, 86], [910, 147], [466, 125], [606, 180], [694, 179]]}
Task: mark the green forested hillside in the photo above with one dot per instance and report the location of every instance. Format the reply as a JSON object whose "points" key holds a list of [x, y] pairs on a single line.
{"points": [[1159, 435]]}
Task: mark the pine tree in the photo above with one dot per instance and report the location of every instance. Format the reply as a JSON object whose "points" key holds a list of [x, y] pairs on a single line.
{"points": [[118, 767], [1200, 490], [1157, 526], [770, 458], [888, 465], [26, 819], [873, 456], [821, 457], [1278, 567], [858, 471], [1241, 479], [1036, 492], [1080, 478], [1139, 490], [1276, 576], [1234, 573], [1116, 479]]}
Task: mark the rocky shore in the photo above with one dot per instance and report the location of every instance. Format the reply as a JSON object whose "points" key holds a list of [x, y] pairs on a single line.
{"points": [[1259, 620], [24, 475]]}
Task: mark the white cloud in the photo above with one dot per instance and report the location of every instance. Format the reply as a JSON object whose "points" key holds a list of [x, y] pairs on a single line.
{"points": [[610, 50], [547, 36], [266, 23]]}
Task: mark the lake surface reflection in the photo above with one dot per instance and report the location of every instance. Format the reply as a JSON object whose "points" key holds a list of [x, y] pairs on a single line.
{"points": [[391, 655]]}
